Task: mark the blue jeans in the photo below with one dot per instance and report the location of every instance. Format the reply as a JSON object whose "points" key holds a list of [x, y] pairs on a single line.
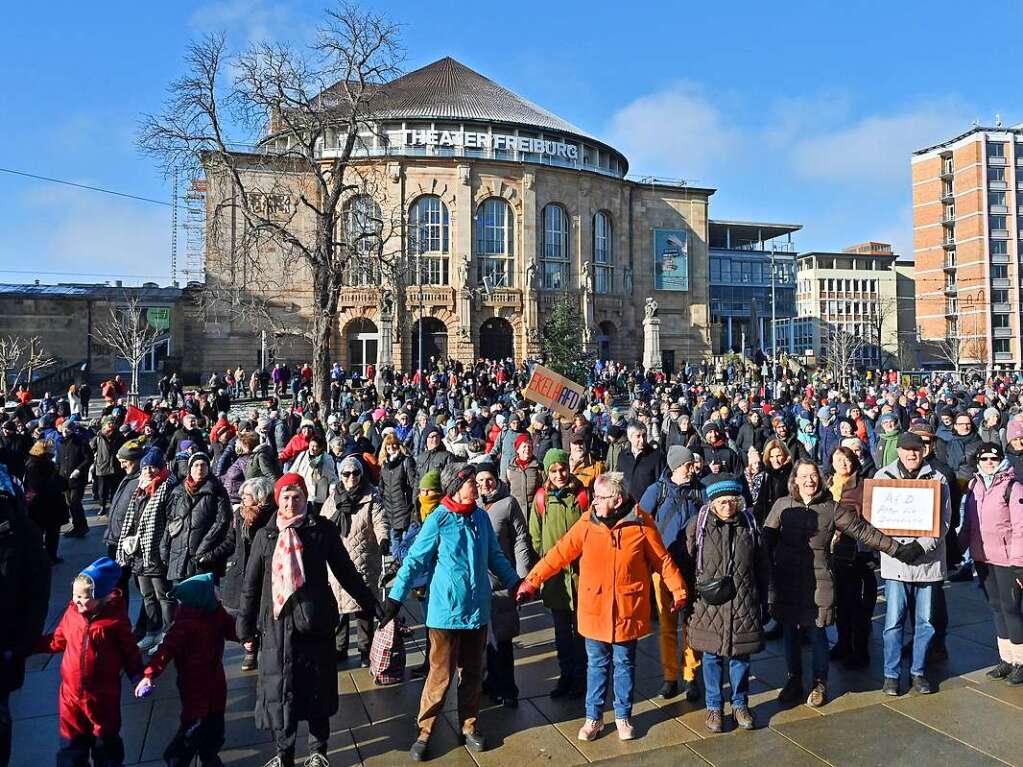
{"points": [[738, 675], [600, 656], [900, 596], [794, 652], [569, 646]]}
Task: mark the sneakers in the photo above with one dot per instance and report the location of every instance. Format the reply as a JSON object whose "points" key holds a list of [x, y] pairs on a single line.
{"points": [[1002, 670], [669, 689], [921, 685], [1016, 677], [890, 687], [714, 722], [316, 760], [792, 691], [149, 641], [744, 718], [159, 641], [275, 762], [418, 751], [625, 729], [818, 694], [591, 729]]}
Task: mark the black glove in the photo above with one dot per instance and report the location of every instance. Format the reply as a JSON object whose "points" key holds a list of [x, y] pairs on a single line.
{"points": [[387, 611], [908, 553], [385, 547]]}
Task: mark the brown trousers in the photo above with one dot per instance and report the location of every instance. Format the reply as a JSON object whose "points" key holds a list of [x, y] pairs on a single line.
{"points": [[451, 650]]}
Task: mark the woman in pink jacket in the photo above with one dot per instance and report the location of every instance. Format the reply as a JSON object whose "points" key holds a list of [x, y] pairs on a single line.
{"points": [[992, 529]]}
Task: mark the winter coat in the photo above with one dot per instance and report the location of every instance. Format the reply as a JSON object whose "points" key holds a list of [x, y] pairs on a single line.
{"points": [[993, 519], [428, 460], [318, 482], [543, 440], [398, 490], [195, 643], [798, 538], [297, 660], [524, 482], [614, 573], [672, 506], [119, 507], [506, 445], [195, 539], [561, 511], [263, 464], [641, 471], [722, 454], [933, 566], [234, 477], [24, 589], [74, 454], [750, 436], [362, 534], [509, 525], [732, 628], [180, 435], [457, 553], [242, 535], [44, 492], [615, 451], [96, 649], [774, 486], [150, 563], [105, 447], [587, 471], [961, 453]]}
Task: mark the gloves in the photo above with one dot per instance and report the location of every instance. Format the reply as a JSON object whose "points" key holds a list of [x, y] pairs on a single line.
{"points": [[908, 553], [385, 547], [525, 592], [76, 474], [387, 611], [144, 688]]}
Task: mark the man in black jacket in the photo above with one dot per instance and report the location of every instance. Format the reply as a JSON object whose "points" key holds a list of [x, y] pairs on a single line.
{"points": [[128, 457], [74, 456], [641, 464]]}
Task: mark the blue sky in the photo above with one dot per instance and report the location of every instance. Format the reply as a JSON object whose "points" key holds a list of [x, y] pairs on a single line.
{"points": [[801, 112]]}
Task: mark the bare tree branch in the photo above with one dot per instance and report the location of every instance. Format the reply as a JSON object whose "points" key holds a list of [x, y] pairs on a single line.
{"points": [[129, 335], [22, 357]]}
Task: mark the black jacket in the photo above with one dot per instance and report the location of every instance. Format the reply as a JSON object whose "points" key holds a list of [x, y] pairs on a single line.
{"points": [[196, 538], [44, 489], [242, 536], [118, 508], [432, 459], [14, 451], [641, 471], [179, 436], [104, 448], [74, 454], [397, 488]]}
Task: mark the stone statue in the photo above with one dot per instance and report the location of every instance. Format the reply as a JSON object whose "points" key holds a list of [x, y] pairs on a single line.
{"points": [[387, 303], [628, 280], [531, 270], [587, 276], [464, 267], [650, 310]]}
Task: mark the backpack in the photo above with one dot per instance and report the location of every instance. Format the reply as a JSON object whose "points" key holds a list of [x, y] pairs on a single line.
{"points": [[540, 501]]}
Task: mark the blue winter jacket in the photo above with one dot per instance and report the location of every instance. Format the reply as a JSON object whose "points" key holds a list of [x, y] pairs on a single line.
{"points": [[672, 506], [456, 552]]}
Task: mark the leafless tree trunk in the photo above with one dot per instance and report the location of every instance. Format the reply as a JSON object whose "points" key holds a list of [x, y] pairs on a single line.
{"points": [[884, 313], [129, 335], [839, 352], [283, 204], [22, 357], [950, 349]]}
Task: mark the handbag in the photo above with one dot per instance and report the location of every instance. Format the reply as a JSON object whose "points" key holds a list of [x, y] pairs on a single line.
{"points": [[718, 591]]}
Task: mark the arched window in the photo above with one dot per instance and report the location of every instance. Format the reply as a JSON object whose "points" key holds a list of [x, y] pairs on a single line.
{"points": [[495, 253], [362, 224], [429, 237], [603, 253], [555, 248]]}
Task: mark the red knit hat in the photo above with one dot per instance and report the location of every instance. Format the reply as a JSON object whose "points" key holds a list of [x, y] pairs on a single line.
{"points": [[520, 439], [291, 478]]}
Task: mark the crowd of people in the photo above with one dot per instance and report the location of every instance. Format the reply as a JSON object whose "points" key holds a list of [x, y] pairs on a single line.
{"points": [[720, 506]]}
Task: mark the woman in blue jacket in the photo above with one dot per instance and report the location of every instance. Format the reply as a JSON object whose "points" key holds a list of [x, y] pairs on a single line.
{"points": [[456, 549]]}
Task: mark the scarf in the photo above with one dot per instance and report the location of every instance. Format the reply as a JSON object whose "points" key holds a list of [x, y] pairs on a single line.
{"points": [[154, 483], [287, 573], [427, 506], [838, 484], [889, 447], [144, 523], [987, 479], [192, 487], [458, 508], [252, 514]]}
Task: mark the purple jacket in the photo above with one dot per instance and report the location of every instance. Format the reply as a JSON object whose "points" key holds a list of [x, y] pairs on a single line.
{"points": [[992, 528], [235, 476]]}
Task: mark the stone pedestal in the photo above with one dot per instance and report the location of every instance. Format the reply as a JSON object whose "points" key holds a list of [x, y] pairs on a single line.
{"points": [[652, 343], [385, 346]]}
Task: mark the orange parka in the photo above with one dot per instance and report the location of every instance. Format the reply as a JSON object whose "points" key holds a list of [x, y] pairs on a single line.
{"points": [[614, 573]]}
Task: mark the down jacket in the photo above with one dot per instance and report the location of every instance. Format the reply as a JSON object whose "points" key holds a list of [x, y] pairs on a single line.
{"points": [[397, 487], [242, 535], [614, 573], [509, 525], [798, 537], [523, 482], [196, 537], [561, 511], [732, 628], [263, 463], [993, 519], [361, 534]]}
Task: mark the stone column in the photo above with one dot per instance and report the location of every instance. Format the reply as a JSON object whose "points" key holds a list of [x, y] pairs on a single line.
{"points": [[651, 336], [462, 266], [385, 345]]}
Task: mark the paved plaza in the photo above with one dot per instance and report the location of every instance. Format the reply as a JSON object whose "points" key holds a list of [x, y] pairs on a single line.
{"points": [[969, 721]]}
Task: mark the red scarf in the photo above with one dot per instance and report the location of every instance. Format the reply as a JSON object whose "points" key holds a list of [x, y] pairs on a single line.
{"points": [[155, 483], [191, 486], [455, 506], [522, 464]]}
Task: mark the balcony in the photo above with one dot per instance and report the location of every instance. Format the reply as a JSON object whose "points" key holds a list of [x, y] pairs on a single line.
{"points": [[997, 186], [950, 290], [1003, 356], [999, 234], [948, 196], [950, 260], [1000, 308], [1002, 332], [949, 243], [947, 168], [996, 160], [998, 209], [1000, 282], [948, 217]]}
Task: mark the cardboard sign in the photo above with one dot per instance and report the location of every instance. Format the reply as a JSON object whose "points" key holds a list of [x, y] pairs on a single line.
{"points": [[903, 507], [554, 391]]}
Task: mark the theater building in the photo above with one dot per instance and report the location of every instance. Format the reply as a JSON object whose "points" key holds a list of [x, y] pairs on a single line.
{"points": [[504, 208]]}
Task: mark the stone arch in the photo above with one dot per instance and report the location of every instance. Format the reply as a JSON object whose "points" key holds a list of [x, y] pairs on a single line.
{"points": [[437, 188], [502, 190]]}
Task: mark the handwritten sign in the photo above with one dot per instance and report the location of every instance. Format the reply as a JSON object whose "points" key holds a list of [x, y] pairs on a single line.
{"points": [[903, 507], [554, 391]]}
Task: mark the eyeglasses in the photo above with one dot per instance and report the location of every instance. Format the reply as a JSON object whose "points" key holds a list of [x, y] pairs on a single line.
{"points": [[963, 423], [989, 458], [604, 497], [351, 473]]}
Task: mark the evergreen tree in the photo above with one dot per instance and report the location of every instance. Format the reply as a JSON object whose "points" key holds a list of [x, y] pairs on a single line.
{"points": [[561, 339]]}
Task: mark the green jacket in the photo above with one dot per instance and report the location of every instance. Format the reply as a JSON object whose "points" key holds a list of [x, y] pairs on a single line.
{"points": [[561, 511]]}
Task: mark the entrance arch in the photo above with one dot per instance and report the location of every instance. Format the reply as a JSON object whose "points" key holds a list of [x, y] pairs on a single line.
{"points": [[434, 340], [362, 339], [497, 339], [605, 339]]}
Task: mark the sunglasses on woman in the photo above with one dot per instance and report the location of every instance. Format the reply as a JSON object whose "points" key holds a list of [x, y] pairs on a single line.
{"points": [[351, 473]]}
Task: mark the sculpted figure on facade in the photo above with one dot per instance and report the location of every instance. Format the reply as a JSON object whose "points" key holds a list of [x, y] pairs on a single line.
{"points": [[628, 280], [650, 309]]}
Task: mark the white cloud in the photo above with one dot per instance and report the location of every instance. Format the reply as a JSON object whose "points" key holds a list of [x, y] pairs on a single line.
{"points": [[677, 132], [256, 20]]}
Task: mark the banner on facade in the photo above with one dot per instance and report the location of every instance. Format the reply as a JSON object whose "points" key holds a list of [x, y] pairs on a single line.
{"points": [[671, 259], [554, 391]]}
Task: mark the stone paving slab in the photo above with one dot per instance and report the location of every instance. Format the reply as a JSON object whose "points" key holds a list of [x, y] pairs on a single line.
{"points": [[765, 746]]}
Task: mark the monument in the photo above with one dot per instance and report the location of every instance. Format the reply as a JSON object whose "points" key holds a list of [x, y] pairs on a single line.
{"points": [[651, 336]]}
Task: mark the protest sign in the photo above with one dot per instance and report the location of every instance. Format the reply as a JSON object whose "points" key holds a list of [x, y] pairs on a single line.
{"points": [[554, 391], [903, 507]]}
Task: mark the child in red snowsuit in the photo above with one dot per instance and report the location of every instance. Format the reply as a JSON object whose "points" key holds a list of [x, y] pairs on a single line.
{"points": [[95, 636], [195, 643]]}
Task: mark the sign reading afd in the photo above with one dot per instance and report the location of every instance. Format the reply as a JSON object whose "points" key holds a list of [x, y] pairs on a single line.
{"points": [[554, 391]]}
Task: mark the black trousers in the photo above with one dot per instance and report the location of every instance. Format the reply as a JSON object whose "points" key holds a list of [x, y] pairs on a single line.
{"points": [[855, 599], [284, 739], [107, 751], [500, 681], [51, 540], [363, 633], [106, 485], [203, 737], [1006, 600], [73, 495], [5, 728]]}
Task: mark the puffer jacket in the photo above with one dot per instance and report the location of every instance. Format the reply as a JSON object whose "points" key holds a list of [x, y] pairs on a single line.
{"points": [[506, 446], [933, 565], [263, 463], [509, 525], [672, 506], [196, 538], [398, 490], [561, 511], [432, 459], [798, 538], [457, 553], [993, 519], [242, 535], [587, 471], [105, 447], [118, 508], [318, 481], [732, 628], [524, 482], [615, 564], [361, 534]]}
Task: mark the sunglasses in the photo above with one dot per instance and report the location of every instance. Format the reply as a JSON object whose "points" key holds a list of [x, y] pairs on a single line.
{"points": [[989, 458], [351, 473]]}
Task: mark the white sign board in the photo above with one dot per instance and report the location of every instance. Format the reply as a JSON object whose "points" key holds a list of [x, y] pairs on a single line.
{"points": [[904, 507]]}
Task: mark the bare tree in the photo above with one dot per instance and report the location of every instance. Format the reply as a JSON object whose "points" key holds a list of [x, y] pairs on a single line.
{"points": [[839, 352], [280, 204], [951, 349], [21, 357], [884, 313], [128, 334]]}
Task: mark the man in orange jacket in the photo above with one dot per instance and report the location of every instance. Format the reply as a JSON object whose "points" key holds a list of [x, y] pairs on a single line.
{"points": [[618, 547]]}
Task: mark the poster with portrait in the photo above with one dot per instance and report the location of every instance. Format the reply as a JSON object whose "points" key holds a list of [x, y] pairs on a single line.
{"points": [[671, 259]]}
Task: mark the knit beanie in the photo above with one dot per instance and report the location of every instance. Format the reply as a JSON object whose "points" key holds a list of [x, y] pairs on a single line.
{"points": [[154, 458], [520, 439], [553, 456], [454, 475], [291, 478], [720, 485], [104, 574], [430, 480], [1014, 429], [196, 457], [197, 592], [130, 451], [350, 463], [991, 413]]}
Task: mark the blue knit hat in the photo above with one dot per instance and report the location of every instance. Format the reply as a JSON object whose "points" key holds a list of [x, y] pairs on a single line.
{"points": [[197, 592], [719, 485], [104, 574], [154, 458]]}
